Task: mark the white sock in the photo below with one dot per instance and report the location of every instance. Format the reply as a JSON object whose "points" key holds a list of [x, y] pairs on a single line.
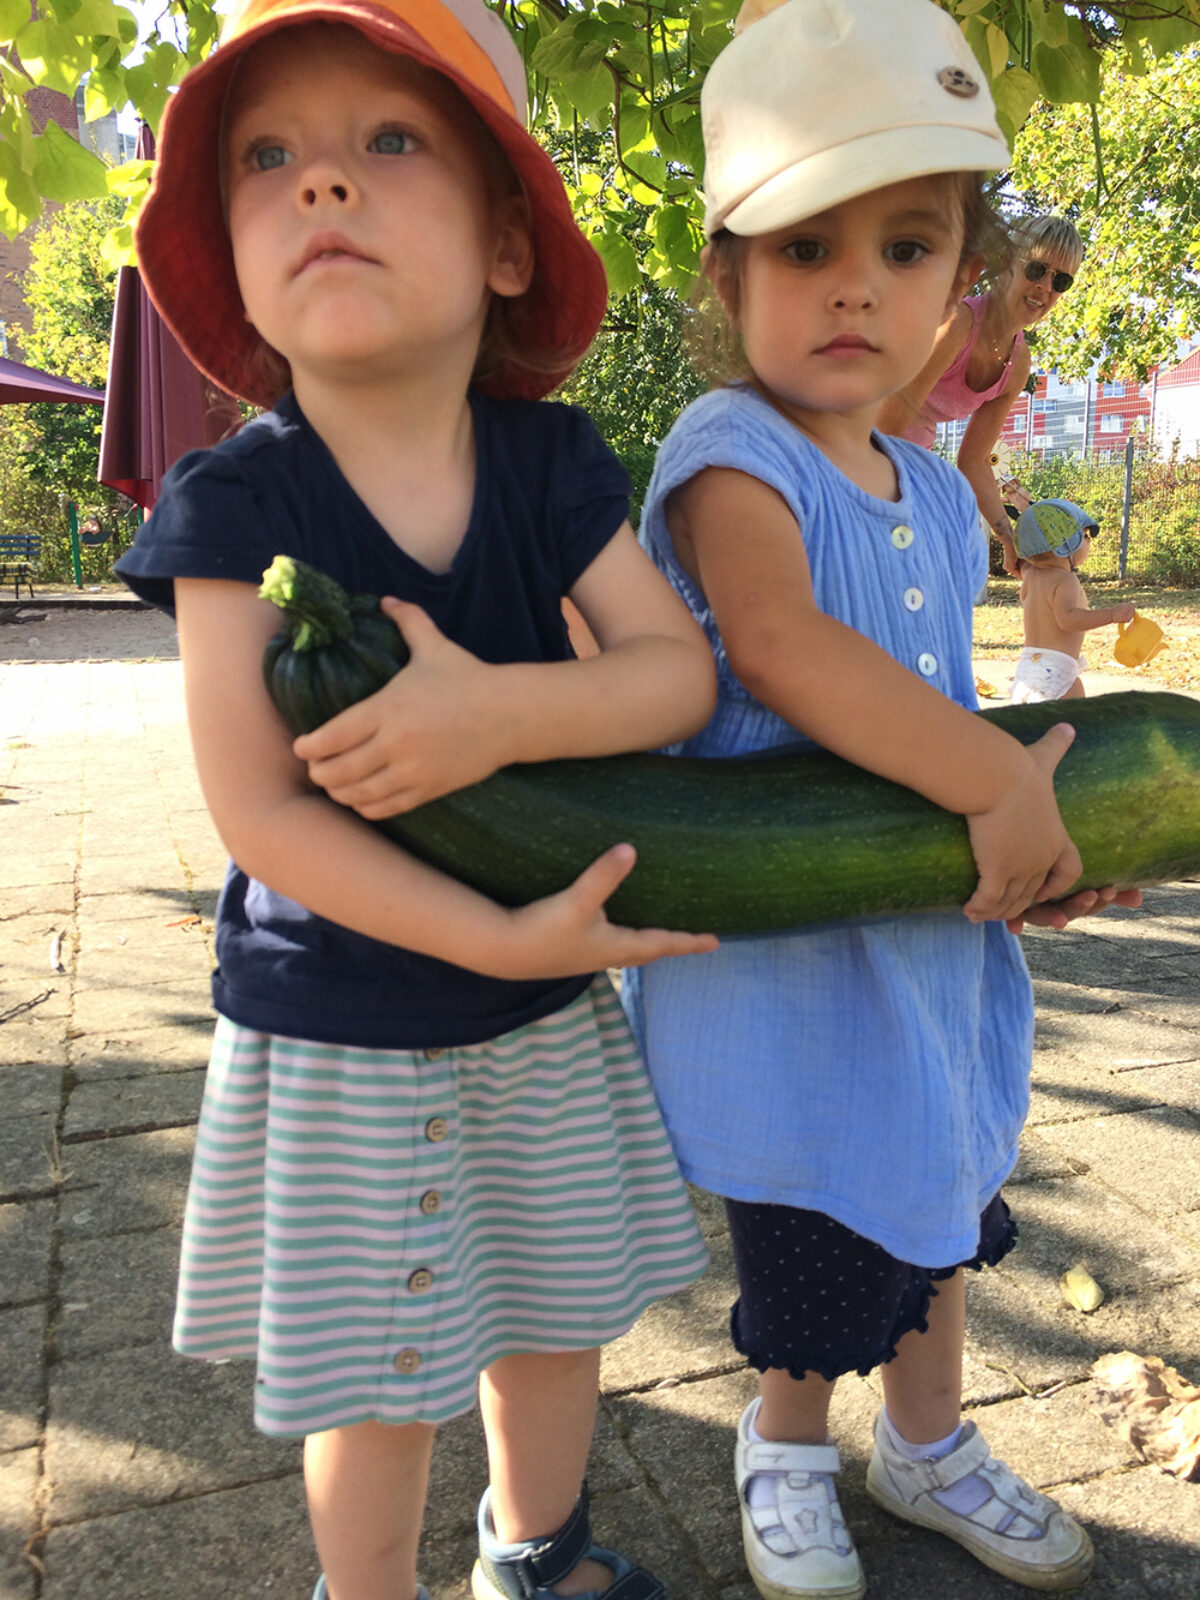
{"points": [[919, 1452], [762, 1490], [963, 1497]]}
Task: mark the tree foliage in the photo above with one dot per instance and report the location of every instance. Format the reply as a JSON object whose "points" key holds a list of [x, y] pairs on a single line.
{"points": [[69, 291], [623, 76], [1126, 170], [630, 69]]}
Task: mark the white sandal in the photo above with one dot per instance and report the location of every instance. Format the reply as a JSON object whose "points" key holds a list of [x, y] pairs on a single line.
{"points": [[1015, 1531], [797, 1547]]}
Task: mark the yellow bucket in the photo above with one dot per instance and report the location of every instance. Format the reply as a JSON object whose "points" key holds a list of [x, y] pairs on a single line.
{"points": [[1138, 641]]}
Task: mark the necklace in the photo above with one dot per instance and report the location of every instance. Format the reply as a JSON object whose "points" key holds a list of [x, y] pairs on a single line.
{"points": [[1001, 354]]}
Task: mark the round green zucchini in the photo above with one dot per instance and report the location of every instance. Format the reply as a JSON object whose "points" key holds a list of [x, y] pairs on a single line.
{"points": [[753, 844]]}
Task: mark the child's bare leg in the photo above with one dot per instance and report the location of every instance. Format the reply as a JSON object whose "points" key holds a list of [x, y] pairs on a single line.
{"points": [[977, 1500], [922, 1384], [366, 1496], [1076, 691], [538, 1413], [794, 1410]]}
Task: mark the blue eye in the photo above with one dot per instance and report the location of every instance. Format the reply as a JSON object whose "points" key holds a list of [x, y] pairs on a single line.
{"points": [[269, 156], [391, 142]]}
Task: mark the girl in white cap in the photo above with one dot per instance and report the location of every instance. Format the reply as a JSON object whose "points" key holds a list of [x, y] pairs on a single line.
{"points": [[429, 1159], [856, 1090]]}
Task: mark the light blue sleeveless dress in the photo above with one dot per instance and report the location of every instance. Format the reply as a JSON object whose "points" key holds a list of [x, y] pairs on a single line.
{"points": [[874, 1070]]}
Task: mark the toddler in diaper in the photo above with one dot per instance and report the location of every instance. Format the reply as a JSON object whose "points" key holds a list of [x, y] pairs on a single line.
{"points": [[1053, 538]]}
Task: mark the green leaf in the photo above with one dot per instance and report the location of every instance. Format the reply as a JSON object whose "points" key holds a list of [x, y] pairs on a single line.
{"points": [[997, 47], [19, 202], [14, 14], [567, 49], [104, 92], [116, 249], [680, 138], [63, 170], [707, 43], [634, 125], [1051, 24], [149, 81], [1135, 57], [968, 8], [591, 94], [130, 180], [95, 16], [1064, 75], [203, 27], [620, 262], [16, 127], [53, 56], [670, 228], [1168, 35], [1015, 94]]}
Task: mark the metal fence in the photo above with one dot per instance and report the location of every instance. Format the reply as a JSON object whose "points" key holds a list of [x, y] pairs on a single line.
{"points": [[1128, 452]]}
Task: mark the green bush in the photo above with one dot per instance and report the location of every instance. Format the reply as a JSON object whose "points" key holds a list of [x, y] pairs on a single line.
{"points": [[635, 381], [27, 505], [1173, 549]]}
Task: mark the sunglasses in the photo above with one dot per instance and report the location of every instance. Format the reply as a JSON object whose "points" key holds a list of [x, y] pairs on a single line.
{"points": [[1035, 271]]}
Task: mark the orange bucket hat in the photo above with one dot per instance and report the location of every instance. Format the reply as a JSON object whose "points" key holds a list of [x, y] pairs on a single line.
{"points": [[183, 243]]}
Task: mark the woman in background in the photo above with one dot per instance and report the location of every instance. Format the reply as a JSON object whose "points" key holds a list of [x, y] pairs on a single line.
{"points": [[980, 361]]}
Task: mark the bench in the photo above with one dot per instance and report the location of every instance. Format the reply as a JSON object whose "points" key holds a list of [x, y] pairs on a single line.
{"points": [[19, 556]]}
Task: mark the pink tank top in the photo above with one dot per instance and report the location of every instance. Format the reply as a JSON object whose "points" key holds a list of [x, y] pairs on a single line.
{"points": [[951, 398]]}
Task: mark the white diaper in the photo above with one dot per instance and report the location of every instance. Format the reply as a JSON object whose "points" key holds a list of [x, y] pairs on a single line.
{"points": [[1044, 674]]}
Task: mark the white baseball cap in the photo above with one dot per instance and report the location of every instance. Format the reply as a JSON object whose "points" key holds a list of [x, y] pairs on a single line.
{"points": [[817, 101]]}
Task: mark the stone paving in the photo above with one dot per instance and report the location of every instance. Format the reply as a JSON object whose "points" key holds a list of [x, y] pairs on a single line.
{"points": [[127, 1473]]}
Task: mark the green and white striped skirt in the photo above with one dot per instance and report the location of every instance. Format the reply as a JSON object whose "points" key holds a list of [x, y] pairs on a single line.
{"points": [[375, 1227]]}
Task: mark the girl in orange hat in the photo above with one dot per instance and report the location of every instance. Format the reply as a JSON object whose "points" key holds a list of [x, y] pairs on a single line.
{"points": [[428, 1158]]}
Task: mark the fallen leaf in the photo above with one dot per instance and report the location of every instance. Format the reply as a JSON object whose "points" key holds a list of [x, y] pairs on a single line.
{"points": [[1080, 1289], [1149, 1404]]}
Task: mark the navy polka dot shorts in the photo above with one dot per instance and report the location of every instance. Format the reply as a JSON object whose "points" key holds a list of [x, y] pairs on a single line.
{"points": [[817, 1297]]}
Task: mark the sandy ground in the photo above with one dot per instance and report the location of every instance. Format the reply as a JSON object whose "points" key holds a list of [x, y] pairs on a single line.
{"points": [[40, 633]]}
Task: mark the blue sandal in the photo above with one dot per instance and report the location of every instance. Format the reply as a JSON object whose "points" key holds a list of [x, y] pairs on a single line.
{"points": [[529, 1571], [322, 1593]]}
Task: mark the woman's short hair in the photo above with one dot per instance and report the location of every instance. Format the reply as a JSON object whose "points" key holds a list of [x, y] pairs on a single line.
{"points": [[1056, 236]]}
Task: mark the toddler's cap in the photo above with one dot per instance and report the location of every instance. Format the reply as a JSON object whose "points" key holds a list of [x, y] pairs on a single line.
{"points": [[183, 244], [1052, 527], [817, 101]]}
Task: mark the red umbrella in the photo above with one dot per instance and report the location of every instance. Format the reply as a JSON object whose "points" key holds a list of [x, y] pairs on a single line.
{"points": [[19, 384], [158, 404]]}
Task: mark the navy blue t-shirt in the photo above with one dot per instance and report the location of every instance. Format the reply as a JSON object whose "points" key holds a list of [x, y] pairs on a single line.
{"points": [[549, 495]]}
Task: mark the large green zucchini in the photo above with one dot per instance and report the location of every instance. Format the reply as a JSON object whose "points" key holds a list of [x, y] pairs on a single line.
{"points": [[756, 843]]}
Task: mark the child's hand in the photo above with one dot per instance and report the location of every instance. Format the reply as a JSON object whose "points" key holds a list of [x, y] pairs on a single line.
{"points": [[1087, 903], [1021, 848], [432, 729], [568, 933], [1123, 612]]}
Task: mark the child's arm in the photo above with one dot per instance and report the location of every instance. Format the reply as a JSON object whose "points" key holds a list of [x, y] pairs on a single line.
{"points": [[291, 837], [850, 696], [449, 719], [1071, 611]]}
